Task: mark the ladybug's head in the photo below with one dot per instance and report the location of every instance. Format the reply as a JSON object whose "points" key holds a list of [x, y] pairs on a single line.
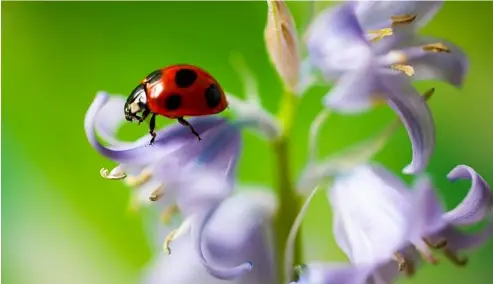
{"points": [[136, 103]]}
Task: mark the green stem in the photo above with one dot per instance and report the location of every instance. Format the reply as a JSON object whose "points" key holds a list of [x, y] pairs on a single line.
{"points": [[289, 202]]}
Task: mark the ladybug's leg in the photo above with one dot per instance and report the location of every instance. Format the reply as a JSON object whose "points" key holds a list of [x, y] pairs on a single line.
{"points": [[152, 127], [183, 122], [145, 114]]}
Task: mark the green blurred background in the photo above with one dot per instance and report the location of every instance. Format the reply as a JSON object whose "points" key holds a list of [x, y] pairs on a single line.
{"points": [[62, 223]]}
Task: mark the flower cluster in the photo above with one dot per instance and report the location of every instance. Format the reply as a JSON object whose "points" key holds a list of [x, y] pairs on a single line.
{"points": [[213, 229]]}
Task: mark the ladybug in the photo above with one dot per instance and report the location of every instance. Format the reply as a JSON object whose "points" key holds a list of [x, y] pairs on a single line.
{"points": [[174, 92]]}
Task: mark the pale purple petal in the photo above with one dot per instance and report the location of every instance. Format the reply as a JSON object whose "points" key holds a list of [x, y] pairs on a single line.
{"points": [[457, 240], [354, 92], [241, 230], [451, 67], [374, 15], [416, 116], [478, 202], [340, 273], [251, 215], [336, 43], [428, 209], [366, 207], [109, 119]]}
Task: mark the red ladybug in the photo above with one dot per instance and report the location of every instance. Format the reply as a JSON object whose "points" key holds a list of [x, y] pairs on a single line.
{"points": [[174, 92]]}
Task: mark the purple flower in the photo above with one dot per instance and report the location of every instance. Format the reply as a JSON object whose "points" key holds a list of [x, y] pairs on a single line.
{"points": [[339, 46], [240, 229], [384, 227], [177, 171]]}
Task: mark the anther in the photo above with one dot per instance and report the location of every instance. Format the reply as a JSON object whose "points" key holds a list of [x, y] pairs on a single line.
{"points": [[429, 93], [436, 47], [406, 69], [176, 233], [404, 264], [380, 34], [115, 174], [402, 19], [454, 258], [143, 177], [156, 193]]}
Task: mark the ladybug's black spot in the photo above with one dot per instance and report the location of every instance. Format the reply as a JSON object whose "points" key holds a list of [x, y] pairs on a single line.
{"points": [[213, 96], [184, 78], [173, 102], [153, 77]]}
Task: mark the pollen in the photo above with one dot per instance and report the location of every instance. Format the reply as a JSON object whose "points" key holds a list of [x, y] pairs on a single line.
{"points": [[436, 47], [406, 69], [115, 174], [380, 34], [402, 19]]}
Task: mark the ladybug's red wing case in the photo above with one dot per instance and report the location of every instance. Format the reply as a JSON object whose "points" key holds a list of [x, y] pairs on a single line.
{"points": [[184, 90]]}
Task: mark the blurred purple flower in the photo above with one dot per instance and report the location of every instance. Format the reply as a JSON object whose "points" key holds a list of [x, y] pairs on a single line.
{"points": [[240, 229], [339, 46], [194, 176], [384, 227], [376, 16]]}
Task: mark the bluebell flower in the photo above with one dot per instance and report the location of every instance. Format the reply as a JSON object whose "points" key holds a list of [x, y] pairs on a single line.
{"points": [[177, 171], [340, 47], [384, 227], [240, 229], [404, 19]]}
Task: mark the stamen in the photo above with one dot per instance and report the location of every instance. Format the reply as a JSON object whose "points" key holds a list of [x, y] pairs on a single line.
{"points": [[157, 193], [404, 264], [175, 234], [168, 213], [427, 255], [438, 245], [406, 69], [402, 19], [454, 258], [436, 47], [115, 174], [380, 34], [167, 241], [143, 177]]}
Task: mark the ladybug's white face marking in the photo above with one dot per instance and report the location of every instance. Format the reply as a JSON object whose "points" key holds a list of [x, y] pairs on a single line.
{"points": [[136, 102]]}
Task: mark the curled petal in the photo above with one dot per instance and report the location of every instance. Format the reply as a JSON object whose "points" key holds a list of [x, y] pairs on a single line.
{"points": [[260, 118], [336, 43], [224, 273], [140, 152], [374, 15], [478, 202], [110, 118], [283, 43], [451, 66], [416, 117]]}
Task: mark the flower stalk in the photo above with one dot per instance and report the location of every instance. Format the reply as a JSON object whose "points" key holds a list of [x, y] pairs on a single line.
{"points": [[289, 201]]}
